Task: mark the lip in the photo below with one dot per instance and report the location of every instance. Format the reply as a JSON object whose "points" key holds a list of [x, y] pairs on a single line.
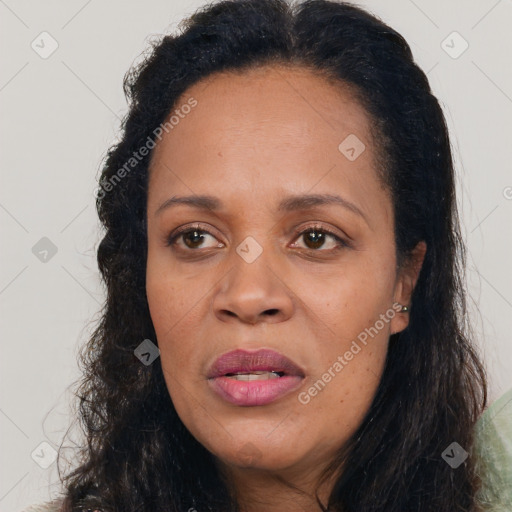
{"points": [[254, 392]]}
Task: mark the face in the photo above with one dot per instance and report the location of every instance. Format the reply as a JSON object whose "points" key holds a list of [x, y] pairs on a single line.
{"points": [[301, 289]]}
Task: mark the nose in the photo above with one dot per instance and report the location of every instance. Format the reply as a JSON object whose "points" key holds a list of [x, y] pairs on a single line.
{"points": [[253, 293]]}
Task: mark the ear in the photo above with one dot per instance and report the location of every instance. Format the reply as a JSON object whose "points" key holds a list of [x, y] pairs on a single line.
{"points": [[406, 281]]}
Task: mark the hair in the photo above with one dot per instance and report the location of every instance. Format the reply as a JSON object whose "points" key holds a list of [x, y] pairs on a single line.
{"points": [[137, 455]]}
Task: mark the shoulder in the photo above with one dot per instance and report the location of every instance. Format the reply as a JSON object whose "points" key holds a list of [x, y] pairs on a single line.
{"points": [[493, 445], [49, 506]]}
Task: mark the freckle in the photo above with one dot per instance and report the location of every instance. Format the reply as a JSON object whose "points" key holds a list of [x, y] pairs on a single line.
{"points": [[220, 153]]}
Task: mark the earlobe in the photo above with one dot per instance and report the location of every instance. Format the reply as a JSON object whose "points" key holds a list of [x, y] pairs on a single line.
{"points": [[406, 283], [399, 324]]}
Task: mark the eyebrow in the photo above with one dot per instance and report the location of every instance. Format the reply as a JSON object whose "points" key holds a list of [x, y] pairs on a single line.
{"points": [[288, 204]]}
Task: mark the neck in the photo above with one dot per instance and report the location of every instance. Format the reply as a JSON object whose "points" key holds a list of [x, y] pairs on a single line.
{"points": [[259, 490]]}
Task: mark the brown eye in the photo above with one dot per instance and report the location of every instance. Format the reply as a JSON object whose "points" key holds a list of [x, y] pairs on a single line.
{"points": [[314, 238], [193, 238], [317, 237]]}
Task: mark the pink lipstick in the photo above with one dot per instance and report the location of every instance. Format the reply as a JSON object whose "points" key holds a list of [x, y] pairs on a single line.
{"points": [[246, 378]]}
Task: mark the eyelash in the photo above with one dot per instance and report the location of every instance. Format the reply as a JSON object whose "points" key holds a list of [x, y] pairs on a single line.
{"points": [[342, 244]]}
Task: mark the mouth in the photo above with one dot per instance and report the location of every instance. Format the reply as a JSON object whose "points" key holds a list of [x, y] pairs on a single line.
{"points": [[255, 375], [246, 378]]}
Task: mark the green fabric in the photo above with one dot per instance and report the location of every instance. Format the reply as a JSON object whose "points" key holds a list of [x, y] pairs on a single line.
{"points": [[494, 449]]}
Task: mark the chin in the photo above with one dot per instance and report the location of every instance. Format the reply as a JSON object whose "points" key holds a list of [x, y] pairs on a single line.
{"points": [[257, 456], [254, 450]]}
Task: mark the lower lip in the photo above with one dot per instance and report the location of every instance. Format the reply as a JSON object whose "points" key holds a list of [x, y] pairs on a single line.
{"points": [[254, 392]]}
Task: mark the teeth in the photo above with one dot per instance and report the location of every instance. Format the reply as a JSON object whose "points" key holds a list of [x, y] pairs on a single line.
{"points": [[257, 375]]}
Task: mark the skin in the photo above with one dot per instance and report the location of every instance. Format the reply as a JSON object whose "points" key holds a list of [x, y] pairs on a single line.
{"points": [[253, 139]]}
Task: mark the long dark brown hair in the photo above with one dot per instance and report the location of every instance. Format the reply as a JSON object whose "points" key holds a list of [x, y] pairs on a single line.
{"points": [[137, 454]]}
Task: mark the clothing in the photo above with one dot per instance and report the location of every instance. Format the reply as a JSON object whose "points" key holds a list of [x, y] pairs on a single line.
{"points": [[493, 446]]}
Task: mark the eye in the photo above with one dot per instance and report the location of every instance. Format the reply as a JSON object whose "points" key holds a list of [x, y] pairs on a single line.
{"points": [[192, 237], [315, 237]]}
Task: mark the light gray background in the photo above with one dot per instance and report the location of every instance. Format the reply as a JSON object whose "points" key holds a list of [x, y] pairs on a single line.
{"points": [[60, 114]]}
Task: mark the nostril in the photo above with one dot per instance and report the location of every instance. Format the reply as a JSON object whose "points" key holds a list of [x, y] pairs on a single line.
{"points": [[271, 312]]}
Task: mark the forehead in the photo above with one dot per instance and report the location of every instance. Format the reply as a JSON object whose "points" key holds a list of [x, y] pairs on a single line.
{"points": [[266, 131], [296, 105]]}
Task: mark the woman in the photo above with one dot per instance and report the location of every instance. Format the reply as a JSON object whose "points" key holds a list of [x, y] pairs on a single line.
{"points": [[285, 324]]}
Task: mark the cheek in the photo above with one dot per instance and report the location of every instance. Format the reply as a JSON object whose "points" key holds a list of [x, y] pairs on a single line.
{"points": [[163, 302], [175, 308], [348, 301], [169, 294], [167, 303], [353, 354], [336, 400]]}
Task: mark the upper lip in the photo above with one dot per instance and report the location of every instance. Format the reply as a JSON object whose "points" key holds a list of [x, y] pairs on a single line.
{"points": [[244, 361]]}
